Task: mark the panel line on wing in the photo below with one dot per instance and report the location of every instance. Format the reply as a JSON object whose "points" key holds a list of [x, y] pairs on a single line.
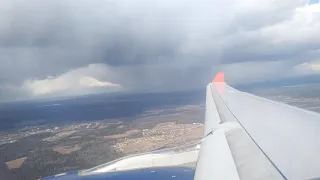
{"points": [[222, 116], [230, 113], [215, 154], [212, 118]]}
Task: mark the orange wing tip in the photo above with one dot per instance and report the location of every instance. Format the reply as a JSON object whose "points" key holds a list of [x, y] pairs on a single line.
{"points": [[219, 77]]}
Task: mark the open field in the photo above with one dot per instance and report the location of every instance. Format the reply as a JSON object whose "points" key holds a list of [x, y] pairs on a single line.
{"points": [[15, 163], [67, 150], [123, 135]]}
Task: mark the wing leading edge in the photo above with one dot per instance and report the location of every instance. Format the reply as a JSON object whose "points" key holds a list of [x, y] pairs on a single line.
{"points": [[249, 137]]}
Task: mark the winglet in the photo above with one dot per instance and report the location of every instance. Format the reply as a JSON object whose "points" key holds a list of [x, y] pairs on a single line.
{"points": [[219, 77]]}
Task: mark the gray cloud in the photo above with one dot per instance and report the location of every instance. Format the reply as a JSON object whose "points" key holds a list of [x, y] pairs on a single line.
{"points": [[163, 45]]}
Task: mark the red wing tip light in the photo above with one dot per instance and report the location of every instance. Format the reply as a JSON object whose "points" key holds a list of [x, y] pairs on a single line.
{"points": [[219, 78]]}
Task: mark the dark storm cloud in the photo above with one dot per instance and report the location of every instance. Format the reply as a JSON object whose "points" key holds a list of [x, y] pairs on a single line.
{"points": [[49, 38], [102, 32], [144, 45]]}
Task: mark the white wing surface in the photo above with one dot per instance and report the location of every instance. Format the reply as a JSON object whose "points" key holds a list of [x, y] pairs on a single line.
{"points": [[249, 137]]}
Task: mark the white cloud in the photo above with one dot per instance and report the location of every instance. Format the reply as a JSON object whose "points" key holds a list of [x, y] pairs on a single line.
{"points": [[312, 67], [88, 81], [315, 67], [310, 13], [76, 81]]}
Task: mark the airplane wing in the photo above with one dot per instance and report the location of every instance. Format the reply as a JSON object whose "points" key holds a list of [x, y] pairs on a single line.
{"points": [[249, 137], [245, 137]]}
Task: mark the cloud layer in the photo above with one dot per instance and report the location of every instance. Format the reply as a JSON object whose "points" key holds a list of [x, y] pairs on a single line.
{"points": [[75, 82], [78, 46]]}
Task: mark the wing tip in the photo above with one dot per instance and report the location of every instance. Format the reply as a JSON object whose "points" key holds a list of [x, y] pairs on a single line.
{"points": [[219, 78]]}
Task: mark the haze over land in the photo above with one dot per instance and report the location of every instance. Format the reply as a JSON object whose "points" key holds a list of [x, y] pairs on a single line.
{"points": [[50, 137], [42, 138], [306, 96]]}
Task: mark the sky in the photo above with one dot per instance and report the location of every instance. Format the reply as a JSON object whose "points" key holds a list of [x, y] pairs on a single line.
{"points": [[58, 48]]}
